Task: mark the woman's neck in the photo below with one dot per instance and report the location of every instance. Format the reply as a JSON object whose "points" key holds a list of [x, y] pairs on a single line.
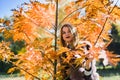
{"points": [[70, 46]]}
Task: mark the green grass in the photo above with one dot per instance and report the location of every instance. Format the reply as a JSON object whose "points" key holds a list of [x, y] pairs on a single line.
{"points": [[111, 78], [11, 77], [110, 73]]}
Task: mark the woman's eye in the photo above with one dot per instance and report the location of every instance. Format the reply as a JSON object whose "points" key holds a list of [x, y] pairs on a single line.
{"points": [[63, 32], [69, 31], [66, 32]]}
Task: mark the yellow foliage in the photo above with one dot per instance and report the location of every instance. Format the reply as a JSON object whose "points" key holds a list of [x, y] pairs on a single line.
{"points": [[1, 20], [79, 61], [33, 23], [11, 70], [7, 34], [62, 50], [5, 52]]}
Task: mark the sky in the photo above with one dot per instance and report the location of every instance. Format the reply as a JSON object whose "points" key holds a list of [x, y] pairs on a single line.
{"points": [[7, 5]]}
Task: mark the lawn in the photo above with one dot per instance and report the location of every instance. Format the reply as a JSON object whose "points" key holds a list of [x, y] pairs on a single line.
{"points": [[109, 73], [113, 77], [11, 77]]}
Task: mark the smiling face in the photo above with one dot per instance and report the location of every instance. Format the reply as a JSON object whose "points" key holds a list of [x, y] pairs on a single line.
{"points": [[67, 34]]}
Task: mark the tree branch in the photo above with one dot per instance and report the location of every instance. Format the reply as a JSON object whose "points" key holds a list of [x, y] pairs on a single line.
{"points": [[56, 25], [25, 70], [69, 15], [105, 23]]}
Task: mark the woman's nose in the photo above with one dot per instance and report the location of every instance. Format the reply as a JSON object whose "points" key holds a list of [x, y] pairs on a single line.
{"points": [[67, 33]]}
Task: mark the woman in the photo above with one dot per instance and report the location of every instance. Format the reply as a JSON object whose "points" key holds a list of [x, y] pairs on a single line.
{"points": [[69, 39]]}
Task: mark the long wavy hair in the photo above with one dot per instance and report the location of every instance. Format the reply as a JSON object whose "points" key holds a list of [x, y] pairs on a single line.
{"points": [[74, 33]]}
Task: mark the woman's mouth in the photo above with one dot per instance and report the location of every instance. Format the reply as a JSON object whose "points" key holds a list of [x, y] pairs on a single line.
{"points": [[68, 37]]}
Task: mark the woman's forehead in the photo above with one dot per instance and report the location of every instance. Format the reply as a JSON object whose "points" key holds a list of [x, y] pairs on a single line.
{"points": [[65, 28]]}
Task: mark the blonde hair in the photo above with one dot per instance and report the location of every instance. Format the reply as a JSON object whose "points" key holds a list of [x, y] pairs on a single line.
{"points": [[74, 33]]}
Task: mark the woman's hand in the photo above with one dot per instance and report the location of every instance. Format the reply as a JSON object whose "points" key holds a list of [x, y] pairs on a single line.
{"points": [[88, 62]]}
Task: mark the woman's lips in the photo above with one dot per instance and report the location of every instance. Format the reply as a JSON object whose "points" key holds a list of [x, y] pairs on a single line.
{"points": [[68, 37]]}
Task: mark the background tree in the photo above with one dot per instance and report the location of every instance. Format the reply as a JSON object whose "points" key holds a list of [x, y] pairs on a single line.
{"points": [[5, 35], [115, 34]]}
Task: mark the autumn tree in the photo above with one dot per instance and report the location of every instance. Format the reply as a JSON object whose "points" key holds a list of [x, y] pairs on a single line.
{"points": [[38, 25]]}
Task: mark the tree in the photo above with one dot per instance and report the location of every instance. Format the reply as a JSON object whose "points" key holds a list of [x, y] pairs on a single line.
{"points": [[37, 24], [115, 36]]}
